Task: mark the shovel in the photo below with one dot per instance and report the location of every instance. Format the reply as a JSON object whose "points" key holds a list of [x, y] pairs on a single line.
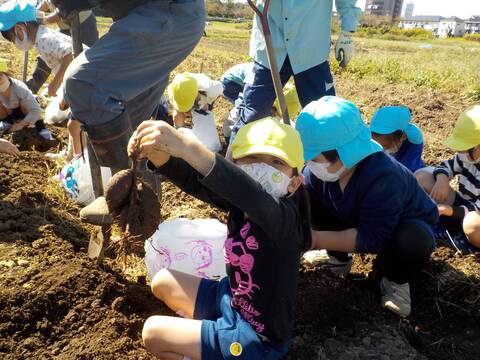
{"points": [[100, 237], [25, 66], [272, 60]]}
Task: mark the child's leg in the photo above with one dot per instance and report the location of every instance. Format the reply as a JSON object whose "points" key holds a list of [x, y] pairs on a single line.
{"points": [[471, 228], [75, 132], [172, 338], [426, 180], [177, 290]]}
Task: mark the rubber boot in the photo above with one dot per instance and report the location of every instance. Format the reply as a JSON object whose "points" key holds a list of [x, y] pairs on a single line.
{"points": [[110, 141]]}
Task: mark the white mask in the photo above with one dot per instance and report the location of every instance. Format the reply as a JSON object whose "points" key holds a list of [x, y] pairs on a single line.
{"points": [[25, 44], [4, 86], [321, 172], [273, 181], [465, 158]]}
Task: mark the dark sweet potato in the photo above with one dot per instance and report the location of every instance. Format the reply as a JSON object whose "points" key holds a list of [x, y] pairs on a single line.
{"points": [[118, 189]]}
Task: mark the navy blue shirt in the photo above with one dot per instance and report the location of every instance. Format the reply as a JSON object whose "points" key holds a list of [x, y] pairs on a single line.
{"points": [[380, 193], [410, 155]]}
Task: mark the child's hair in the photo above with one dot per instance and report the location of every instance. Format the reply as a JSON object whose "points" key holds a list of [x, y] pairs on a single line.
{"points": [[331, 155], [396, 135], [28, 24], [302, 202]]}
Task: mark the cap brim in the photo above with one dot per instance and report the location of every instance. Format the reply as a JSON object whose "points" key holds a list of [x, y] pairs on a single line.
{"points": [[267, 150], [414, 134], [458, 145], [358, 149], [382, 130]]}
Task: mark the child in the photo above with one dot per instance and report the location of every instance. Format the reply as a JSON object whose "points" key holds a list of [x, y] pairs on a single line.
{"points": [[193, 95], [18, 107], [88, 36], [190, 91], [250, 312], [391, 126], [234, 79], [19, 25], [363, 201], [461, 207]]}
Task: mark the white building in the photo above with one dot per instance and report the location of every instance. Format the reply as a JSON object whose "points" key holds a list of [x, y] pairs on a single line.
{"points": [[438, 25], [472, 25]]}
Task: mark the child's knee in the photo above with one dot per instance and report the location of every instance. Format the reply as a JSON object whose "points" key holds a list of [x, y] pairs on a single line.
{"points": [[161, 284], [151, 329], [471, 227], [425, 179]]}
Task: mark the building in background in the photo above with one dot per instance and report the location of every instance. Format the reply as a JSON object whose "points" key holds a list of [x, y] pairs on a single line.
{"points": [[409, 10], [472, 25], [440, 26], [390, 8]]}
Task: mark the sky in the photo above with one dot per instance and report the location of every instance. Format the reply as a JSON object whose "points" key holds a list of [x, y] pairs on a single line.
{"points": [[461, 8]]}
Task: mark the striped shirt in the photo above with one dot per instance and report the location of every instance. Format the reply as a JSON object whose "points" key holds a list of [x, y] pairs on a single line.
{"points": [[469, 180]]}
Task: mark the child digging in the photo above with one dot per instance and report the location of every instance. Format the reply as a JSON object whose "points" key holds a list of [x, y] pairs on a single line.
{"points": [[460, 208], [249, 314], [363, 201], [18, 106]]}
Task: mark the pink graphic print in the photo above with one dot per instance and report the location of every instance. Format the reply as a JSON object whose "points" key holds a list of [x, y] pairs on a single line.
{"points": [[244, 262], [163, 259], [202, 256]]}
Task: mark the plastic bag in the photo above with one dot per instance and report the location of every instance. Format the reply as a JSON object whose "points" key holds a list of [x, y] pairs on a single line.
{"points": [[192, 246], [53, 114], [205, 130], [76, 180]]}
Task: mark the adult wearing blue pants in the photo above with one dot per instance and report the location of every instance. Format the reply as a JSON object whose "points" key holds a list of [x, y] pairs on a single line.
{"points": [[301, 40], [115, 85]]}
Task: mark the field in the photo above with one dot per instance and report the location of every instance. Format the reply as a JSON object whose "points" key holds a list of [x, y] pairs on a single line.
{"points": [[55, 303]]}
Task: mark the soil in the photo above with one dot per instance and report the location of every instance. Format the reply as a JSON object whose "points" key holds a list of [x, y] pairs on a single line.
{"points": [[56, 303]]}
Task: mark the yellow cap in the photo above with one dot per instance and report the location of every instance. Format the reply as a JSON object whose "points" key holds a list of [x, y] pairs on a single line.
{"points": [[183, 91], [466, 133], [291, 98], [269, 136], [3, 65]]}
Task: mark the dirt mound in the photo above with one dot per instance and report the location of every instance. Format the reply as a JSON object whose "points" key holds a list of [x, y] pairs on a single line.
{"points": [[54, 302], [28, 139]]}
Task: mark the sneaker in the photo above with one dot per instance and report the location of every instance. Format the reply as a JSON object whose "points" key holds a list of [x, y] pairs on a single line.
{"points": [[321, 259], [4, 126], [396, 297], [46, 134]]}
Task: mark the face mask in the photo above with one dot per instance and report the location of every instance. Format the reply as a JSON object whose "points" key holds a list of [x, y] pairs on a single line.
{"points": [[4, 86], [273, 181], [465, 158], [25, 44], [321, 172]]}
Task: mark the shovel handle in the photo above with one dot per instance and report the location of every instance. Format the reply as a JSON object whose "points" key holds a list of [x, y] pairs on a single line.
{"points": [[272, 60]]}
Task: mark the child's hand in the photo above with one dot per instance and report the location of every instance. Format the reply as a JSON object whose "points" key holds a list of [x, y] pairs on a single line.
{"points": [[8, 148], [445, 210], [440, 190], [18, 126], [179, 118], [157, 140]]}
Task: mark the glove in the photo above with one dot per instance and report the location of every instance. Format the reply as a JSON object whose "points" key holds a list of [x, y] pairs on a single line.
{"points": [[344, 48], [65, 7]]}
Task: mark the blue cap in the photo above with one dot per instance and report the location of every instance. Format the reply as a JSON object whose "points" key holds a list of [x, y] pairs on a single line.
{"points": [[333, 123], [389, 119], [13, 12]]}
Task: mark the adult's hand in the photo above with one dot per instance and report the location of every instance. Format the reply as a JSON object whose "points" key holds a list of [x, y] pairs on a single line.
{"points": [[8, 148], [344, 48]]}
